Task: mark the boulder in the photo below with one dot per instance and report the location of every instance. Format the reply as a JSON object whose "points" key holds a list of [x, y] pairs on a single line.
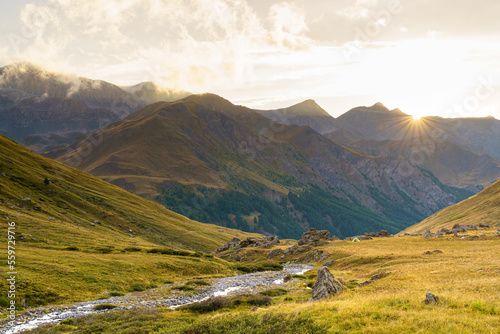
{"points": [[328, 263], [274, 253], [458, 228], [428, 234], [431, 299], [314, 235], [325, 285], [294, 250], [231, 244]]}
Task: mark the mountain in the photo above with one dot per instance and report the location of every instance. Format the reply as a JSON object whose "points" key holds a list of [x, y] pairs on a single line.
{"points": [[456, 151], [452, 164], [216, 162], [307, 113], [46, 110], [480, 208]]}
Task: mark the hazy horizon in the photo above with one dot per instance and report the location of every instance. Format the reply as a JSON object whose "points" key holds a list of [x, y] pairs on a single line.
{"points": [[427, 61]]}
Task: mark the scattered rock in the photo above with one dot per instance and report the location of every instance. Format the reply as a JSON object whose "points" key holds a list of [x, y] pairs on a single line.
{"points": [[481, 225], [374, 278], [381, 234], [325, 285], [431, 299], [313, 235], [236, 243], [231, 244], [314, 256], [328, 263], [334, 238], [221, 231], [92, 224], [295, 249], [274, 253], [428, 234], [459, 228], [437, 251]]}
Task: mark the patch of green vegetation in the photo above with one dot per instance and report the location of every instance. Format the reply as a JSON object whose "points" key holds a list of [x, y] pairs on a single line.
{"points": [[198, 282], [185, 288], [260, 266], [274, 292], [100, 307]]}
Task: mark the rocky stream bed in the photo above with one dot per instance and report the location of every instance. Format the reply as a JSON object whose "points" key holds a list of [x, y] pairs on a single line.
{"points": [[247, 283]]}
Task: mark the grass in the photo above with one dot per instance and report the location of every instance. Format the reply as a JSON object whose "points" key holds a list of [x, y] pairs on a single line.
{"points": [[78, 236], [464, 277]]}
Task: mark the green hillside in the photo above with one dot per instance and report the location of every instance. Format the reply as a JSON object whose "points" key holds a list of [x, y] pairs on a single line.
{"points": [[77, 232]]}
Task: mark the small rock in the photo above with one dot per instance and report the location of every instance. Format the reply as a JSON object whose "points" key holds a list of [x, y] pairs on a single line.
{"points": [[274, 253], [428, 234], [328, 263], [431, 299], [221, 231], [437, 251]]}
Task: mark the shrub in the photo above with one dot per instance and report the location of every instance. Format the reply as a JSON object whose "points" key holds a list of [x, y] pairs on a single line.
{"points": [[198, 282], [208, 305], [290, 277], [99, 307], [72, 248], [310, 285], [263, 266], [115, 294], [169, 251], [133, 249], [274, 292], [185, 288]]}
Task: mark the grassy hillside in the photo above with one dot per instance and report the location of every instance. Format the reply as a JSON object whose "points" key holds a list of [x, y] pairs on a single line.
{"points": [[78, 236], [464, 276], [481, 208]]}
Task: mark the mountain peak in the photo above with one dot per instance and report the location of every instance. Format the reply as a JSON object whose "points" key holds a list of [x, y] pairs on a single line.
{"points": [[379, 107], [307, 108]]}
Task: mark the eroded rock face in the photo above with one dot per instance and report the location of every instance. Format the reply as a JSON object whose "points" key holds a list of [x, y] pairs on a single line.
{"points": [[314, 235], [325, 285]]}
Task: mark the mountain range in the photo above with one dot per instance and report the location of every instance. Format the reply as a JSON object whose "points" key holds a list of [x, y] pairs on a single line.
{"points": [[216, 162], [45, 110], [267, 171], [458, 151]]}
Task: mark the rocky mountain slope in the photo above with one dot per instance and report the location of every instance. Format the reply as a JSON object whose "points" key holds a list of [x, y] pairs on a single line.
{"points": [[216, 162], [44, 110], [459, 152]]}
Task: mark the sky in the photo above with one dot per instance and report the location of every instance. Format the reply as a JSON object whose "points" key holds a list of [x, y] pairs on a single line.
{"points": [[426, 57]]}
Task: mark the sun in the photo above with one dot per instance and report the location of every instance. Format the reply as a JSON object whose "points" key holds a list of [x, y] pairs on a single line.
{"points": [[415, 117]]}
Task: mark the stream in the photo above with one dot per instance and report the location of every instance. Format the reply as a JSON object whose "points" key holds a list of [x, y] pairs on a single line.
{"points": [[246, 283]]}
